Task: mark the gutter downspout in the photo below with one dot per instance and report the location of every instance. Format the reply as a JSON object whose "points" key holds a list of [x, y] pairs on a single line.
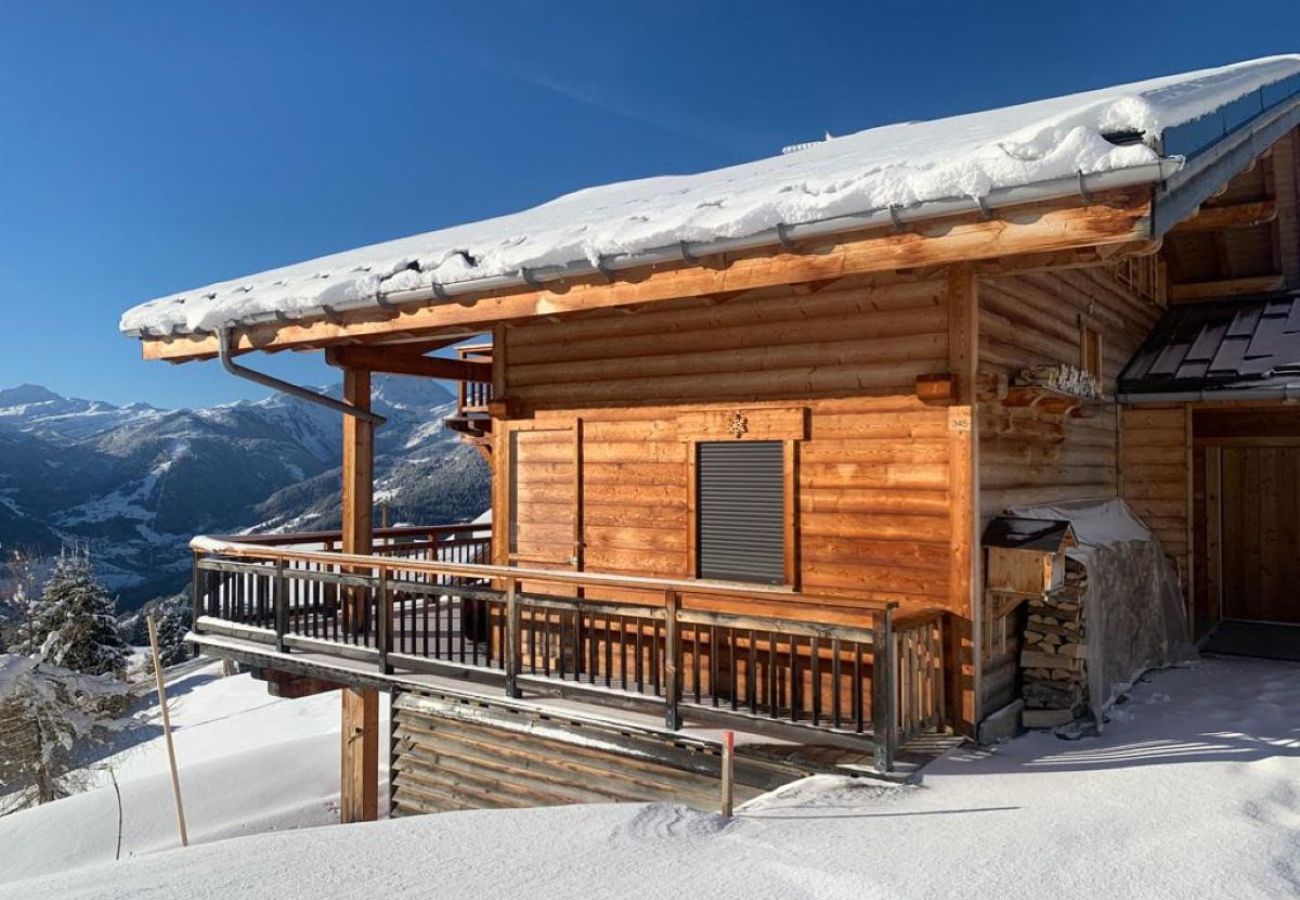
{"points": [[284, 387]]}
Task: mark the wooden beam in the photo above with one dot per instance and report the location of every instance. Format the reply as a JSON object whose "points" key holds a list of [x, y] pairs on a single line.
{"points": [[359, 733], [964, 594], [1236, 215], [1230, 287], [1074, 258], [1286, 188], [1116, 217], [380, 359]]}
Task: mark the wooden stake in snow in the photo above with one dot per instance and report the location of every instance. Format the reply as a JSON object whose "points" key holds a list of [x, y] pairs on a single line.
{"points": [[167, 727], [728, 770]]}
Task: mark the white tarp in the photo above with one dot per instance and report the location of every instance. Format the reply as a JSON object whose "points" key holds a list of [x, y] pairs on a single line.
{"points": [[1133, 605]]}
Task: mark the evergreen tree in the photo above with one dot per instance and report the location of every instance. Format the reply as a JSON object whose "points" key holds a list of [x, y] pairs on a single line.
{"points": [[77, 617], [173, 615], [46, 716], [22, 607]]}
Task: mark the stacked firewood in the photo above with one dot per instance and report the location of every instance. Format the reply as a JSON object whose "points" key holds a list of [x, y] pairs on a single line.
{"points": [[1054, 658]]}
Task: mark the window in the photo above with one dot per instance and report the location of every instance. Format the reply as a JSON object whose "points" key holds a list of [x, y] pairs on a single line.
{"points": [[1090, 352], [740, 517]]}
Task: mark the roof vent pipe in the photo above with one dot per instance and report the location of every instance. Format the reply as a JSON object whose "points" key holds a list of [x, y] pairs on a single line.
{"points": [[276, 384]]}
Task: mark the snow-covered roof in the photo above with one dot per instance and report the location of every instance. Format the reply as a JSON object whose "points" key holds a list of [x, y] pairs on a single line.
{"points": [[910, 168]]}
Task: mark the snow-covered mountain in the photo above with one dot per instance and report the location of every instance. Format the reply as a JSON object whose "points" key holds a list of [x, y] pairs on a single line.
{"points": [[137, 482]]}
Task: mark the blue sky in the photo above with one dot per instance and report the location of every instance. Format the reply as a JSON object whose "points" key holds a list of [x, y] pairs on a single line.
{"points": [[152, 147]]}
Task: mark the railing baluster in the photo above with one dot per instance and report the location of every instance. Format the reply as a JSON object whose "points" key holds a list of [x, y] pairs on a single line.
{"points": [[815, 675], [622, 652], [731, 663], [695, 662], [713, 664], [609, 651], [773, 706], [858, 723], [836, 716], [751, 683], [796, 681]]}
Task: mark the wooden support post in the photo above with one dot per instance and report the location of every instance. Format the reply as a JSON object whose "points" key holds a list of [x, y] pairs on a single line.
{"points": [[196, 594], [359, 789], [884, 713], [672, 662], [964, 582]]}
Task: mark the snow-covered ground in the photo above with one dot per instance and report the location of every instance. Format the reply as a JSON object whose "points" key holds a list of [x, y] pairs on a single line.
{"points": [[250, 763], [1193, 791]]}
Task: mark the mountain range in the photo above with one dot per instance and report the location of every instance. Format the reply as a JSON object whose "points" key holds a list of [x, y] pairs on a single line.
{"points": [[135, 483]]}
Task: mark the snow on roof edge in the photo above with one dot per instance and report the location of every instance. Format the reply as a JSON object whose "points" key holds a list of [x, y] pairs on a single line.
{"points": [[916, 166]]}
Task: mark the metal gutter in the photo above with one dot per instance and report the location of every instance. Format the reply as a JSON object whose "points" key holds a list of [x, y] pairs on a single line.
{"points": [[1287, 392], [1081, 184], [286, 387], [1203, 176]]}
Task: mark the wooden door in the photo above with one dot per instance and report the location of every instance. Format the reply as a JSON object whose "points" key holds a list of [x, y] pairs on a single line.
{"points": [[544, 468], [1260, 533]]}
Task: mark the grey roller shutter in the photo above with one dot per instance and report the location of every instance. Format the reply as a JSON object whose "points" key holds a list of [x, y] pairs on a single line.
{"points": [[741, 502]]}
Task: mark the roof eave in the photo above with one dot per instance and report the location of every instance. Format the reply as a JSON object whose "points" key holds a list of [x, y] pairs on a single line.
{"points": [[1083, 188]]}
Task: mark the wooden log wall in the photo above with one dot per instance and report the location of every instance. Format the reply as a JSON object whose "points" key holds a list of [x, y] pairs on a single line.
{"points": [[1155, 476], [1031, 455], [1037, 453], [837, 365]]}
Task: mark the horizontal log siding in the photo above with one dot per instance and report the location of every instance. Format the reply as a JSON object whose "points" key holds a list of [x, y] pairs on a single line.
{"points": [[1155, 476], [1028, 456], [872, 478]]}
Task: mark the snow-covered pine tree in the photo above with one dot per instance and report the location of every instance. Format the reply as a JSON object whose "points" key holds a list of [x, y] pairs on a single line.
{"points": [[174, 616], [77, 617], [46, 715], [22, 606]]}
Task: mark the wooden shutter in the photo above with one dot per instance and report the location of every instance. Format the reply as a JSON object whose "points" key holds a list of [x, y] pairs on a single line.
{"points": [[740, 518]]}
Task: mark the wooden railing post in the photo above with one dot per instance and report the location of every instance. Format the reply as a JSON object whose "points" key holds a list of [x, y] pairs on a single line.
{"points": [[280, 598], [672, 662], [197, 588], [512, 638], [884, 715], [383, 621]]}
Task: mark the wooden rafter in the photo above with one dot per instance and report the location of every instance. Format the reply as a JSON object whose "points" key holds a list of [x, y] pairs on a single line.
{"points": [[1231, 287], [1235, 215], [382, 359], [1117, 217]]}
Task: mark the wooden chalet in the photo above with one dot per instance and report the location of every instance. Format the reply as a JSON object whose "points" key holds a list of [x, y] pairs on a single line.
{"points": [[742, 482]]}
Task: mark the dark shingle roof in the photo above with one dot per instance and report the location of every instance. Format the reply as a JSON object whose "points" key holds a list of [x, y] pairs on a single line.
{"points": [[1225, 344]]}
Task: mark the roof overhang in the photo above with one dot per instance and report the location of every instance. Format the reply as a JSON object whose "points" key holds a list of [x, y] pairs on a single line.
{"points": [[1099, 216]]}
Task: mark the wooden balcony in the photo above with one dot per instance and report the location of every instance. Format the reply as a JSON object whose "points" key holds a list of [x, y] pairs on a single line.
{"points": [[840, 672], [473, 419]]}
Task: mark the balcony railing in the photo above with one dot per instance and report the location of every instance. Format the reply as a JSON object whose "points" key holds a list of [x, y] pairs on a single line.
{"points": [[474, 396], [428, 602]]}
